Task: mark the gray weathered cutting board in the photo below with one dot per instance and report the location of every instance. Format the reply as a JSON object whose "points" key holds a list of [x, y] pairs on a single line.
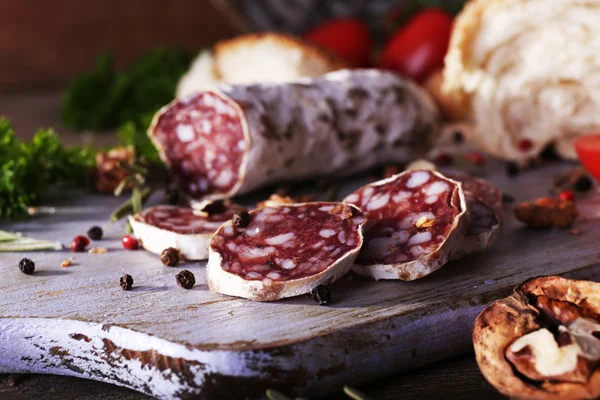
{"points": [[169, 342]]}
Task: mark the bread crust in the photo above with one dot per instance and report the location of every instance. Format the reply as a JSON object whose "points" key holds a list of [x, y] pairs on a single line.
{"points": [[311, 50], [506, 320]]}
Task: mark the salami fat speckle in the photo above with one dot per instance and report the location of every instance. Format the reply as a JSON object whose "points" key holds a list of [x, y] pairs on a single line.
{"points": [[184, 228], [232, 140], [285, 251], [416, 222]]}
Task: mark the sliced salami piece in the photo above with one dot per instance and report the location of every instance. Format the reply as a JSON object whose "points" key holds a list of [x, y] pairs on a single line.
{"points": [[484, 213], [284, 251], [416, 223], [183, 228], [229, 141]]}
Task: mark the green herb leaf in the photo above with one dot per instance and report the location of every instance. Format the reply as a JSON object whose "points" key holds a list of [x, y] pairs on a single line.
{"points": [[27, 169], [105, 98], [11, 242], [275, 395]]}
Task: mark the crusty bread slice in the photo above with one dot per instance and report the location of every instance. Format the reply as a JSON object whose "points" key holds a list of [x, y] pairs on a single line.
{"points": [[257, 57]]}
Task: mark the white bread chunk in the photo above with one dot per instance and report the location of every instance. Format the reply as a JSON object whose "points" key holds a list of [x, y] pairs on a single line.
{"points": [[527, 70], [256, 58]]}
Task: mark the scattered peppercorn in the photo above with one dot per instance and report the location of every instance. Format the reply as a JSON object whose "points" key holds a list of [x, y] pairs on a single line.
{"points": [[322, 295], [507, 198], [583, 184], [79, 244], [443, 159], [130, 243], [95, 233], [126, 282], [185, 279], [170, 257], [525, 145], [27, 266], [214, 207], [512, 169], [458, 137], [241, 219], [567, 195], [172, 195], [475, 158]]}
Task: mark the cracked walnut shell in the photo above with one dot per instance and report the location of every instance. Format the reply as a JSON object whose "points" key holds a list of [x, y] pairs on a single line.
{"points": [[543, 341]]}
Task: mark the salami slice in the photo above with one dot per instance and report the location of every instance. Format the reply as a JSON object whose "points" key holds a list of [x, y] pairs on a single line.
{"points": [[183, 228], [284, 251], [484, 214], [416, 223], [229, 141]]}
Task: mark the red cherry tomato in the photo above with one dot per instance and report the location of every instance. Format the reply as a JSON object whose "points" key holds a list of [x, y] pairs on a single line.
{"points": [[567, 195], [588, 150], [348, 38], [419, 48], [130, 243], [79, 244]]}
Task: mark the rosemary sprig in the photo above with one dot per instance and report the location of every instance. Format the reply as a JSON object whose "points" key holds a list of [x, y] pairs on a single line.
{"points": [[275, 395], [136, 179], [128, 207]]}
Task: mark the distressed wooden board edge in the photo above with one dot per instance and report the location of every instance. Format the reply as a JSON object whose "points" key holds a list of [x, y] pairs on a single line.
{"points": [[165, 369]]}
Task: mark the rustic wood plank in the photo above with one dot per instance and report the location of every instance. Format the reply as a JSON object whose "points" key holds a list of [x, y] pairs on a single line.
{"points": [[164, 341]]}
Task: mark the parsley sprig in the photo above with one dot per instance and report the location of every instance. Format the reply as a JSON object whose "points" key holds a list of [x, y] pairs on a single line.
{"points": [[27, 169]]}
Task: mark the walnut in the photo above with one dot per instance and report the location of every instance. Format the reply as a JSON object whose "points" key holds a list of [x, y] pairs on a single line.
{"points": [[107, 175], [344, 211], [547, 212], [275, 200], [542, 342]]}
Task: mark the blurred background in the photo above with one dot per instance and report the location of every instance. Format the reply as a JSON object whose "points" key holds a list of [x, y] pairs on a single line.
{"points": [[43, 44]]}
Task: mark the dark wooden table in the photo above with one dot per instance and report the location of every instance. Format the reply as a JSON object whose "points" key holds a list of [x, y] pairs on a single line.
{"points": [[457, 378]]}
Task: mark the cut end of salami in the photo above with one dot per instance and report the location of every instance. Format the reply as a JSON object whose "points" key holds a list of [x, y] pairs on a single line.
{"points": [[416, 222], [201, 139], [484, 214], [183, 228], [285, 251]]}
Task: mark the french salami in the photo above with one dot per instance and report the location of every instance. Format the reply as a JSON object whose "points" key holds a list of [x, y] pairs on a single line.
{"points": [[416, 222], [231, 140], [284, 251], [183, 228], [484, 214]]}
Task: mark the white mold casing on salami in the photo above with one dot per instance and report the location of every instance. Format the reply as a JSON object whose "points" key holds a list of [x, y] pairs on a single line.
{"points": [[416, 222], [285, 251], [183, 228], [237, 138], [484, 214]]}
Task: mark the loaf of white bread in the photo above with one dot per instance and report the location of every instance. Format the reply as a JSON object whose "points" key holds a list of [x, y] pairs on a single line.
{"points": [[527, 72], [254, 58]]}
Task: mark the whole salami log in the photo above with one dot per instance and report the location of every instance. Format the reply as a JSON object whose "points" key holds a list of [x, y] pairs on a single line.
{"points": [[183, 228], [416, 222], [484, 214], [284, 251], [237, 138]]}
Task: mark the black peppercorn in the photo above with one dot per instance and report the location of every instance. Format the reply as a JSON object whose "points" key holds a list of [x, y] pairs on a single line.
{"points": [[170, 257], [512, 169], [583, 184], [185, 279], [458, 137], [215, 207], [27, 266], [126, 282], [95, 233], [172, 195], [241, 219], [321, 294]]}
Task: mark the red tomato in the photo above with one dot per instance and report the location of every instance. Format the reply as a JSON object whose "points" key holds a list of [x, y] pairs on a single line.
{"points": [[420, 46], [348, 38], [588, 150]]}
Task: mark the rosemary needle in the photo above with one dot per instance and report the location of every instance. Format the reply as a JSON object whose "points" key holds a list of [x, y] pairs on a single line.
{"points": [[355, 394]]}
